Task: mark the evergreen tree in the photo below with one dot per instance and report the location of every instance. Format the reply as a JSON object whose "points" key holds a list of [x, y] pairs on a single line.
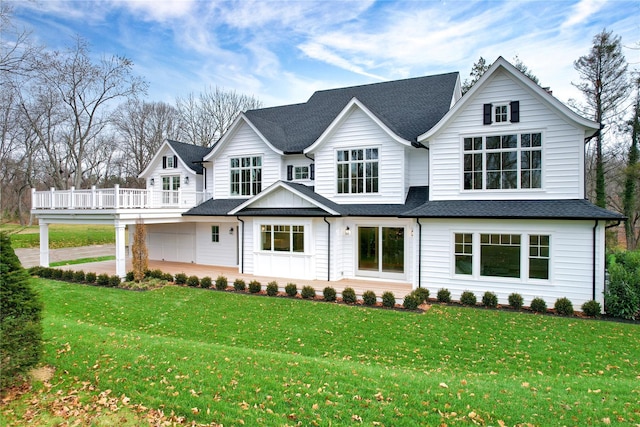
{"points": [[630, 202], [20, 317], [603, 73]]}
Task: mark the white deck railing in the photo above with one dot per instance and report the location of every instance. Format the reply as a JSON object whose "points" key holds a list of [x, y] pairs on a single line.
{"points": [[116, 198]]}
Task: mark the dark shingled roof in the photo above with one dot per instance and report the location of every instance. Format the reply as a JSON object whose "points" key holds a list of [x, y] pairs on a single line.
{"points": [[215, 207], [513, 209], [408, 107], [191, 154]]}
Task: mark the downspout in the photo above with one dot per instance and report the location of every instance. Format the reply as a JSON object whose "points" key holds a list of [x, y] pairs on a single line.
{"points": [[593, 292], [419, 252], [241, 247], [328, 248]]}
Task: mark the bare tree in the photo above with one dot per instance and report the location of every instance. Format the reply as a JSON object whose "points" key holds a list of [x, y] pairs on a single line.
{"points": [[480, 67], [206, 117]]}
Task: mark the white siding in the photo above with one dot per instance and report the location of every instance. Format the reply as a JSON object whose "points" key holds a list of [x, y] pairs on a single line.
{"points": [[224, 252], [417, 173], [571, 260], [359, 131], [172, 242], [562, 146], [244, 142], [282, 198], [296, 160]]}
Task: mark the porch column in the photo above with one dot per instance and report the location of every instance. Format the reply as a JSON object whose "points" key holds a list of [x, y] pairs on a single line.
{"points": [[44, 244], [121, 267]]}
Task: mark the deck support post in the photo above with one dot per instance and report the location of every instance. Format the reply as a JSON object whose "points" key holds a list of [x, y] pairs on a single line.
{"points": [[120, 251], [44, 244]]}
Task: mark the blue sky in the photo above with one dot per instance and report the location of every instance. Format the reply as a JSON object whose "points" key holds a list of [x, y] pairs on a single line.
{"points": [[282, 51]]}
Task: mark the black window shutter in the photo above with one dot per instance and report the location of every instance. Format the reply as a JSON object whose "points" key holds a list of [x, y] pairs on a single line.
{"points": [[164, 162], [487, 114], [175, 161], [515, 111], [312, 171], [289, 173]]}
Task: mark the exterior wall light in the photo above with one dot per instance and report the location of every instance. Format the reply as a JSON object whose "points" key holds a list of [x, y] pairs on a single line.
{"points": [[231, 231], [186, 180], [152, 181], [347, 231]]}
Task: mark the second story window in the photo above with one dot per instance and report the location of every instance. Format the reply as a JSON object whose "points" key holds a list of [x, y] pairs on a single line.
{"points": [[246, 176], [501, 113], [301, 172], [357, 171]]}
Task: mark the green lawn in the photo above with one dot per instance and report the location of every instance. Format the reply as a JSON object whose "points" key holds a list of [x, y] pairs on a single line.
{"points": [[60, 235], [240, 359]]}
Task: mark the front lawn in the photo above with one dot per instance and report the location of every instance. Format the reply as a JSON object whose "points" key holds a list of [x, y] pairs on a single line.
{"points": [[60, 235], [238, 359]]}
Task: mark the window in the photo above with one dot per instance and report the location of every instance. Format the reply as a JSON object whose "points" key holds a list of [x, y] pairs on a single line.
{"points": [[246, 176], [357, 171], [282, 238], [169, 162], [170, 190], [499, 162], [301, 172], [463, 253], [501, 113], [215, 233], [500, 255], [538, 257]]}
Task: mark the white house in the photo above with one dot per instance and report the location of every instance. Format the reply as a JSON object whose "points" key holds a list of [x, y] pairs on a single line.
{"points": [[405, 181]]}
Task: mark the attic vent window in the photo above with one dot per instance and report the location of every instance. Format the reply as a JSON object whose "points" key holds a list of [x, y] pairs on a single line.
{"points": [[501, 113], [169, 162]]}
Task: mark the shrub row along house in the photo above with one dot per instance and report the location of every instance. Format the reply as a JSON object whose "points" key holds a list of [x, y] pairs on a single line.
{"points": [[405, 181]]}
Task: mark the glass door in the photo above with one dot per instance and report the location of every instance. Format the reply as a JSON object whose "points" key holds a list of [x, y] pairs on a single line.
{"points": [[381, 251]]}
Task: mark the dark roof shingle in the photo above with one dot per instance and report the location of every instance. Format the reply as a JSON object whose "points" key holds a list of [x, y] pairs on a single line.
{"points": [[191, 154]]}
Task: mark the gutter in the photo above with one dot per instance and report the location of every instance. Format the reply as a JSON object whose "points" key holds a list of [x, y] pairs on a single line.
{"points": [[419, 252], [417, 144], [241, 246], [328, 249], [593, 289]]}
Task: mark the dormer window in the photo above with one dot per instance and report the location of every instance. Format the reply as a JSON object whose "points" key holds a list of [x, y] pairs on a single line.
{"points": [[500, 113], [506, 112], [169, 162]]}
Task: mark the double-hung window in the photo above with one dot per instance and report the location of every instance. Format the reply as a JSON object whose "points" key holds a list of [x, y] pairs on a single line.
{"points": [[215, 233], [500, 162], [246, 176], [357, 171], [301, 172]]}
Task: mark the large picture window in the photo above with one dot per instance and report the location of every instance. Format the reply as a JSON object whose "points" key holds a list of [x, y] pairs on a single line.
{"points": [[246, 176], [357, 171], [500, 255], [500, 162], [282, 238]]}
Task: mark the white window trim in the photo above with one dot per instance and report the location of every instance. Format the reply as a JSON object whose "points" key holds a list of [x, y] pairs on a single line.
{"points": [[494, 114], [335, 171], [299, 168], [215, 241], [307, 238], [240, 156]]}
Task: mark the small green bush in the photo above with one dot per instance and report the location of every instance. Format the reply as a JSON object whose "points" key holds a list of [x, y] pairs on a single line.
{"points": [[622, 296], [515, 301], [254, 287], [538, 305], [329, 294], [592, 308], [239, 285], [193, 281], [422, 294], [56, 274], [221, 283], [67, 275], [272, 288], [369, 298], [308, 292], [129, 277], [114, 281], [45, 272], [103, 279], [388, 299], [468, 298], [411, 302], [167, 277], [444, 295], [348, 296], [90, 277], [206, 282], [490, 300], [79, 276], [181, 279], [291, 289], [156, 274], [563, 306]]}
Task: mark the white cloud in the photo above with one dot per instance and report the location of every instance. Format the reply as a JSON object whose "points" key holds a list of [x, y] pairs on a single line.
{"points": [[581, 11], [158, 10]]}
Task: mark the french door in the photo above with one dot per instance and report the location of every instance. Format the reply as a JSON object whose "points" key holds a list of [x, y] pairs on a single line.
{"points": [[170, 187], [381, 251]]}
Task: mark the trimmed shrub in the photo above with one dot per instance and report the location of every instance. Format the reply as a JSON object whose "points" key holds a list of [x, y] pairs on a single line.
{"points": [[272, 288], [329, 294], [369, 298], [388, 299], [155, 274], [67, 275], [538, 305], [79, 276], [622, 297], [411, 302], [422, 294], [468, 298], [348, 296], [221, 283], [444, 295], [206, 282], [291, 289], [90, 277], [114, 281], [193, 281], [239, 285], [20, 318], [490, 300], [516, 301], [129, 276], [45, 272], [103, 279], [56, 273], [181, 279], [592, 308], [308, 292], [167, 277], [254, 287], [563, 306]]}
